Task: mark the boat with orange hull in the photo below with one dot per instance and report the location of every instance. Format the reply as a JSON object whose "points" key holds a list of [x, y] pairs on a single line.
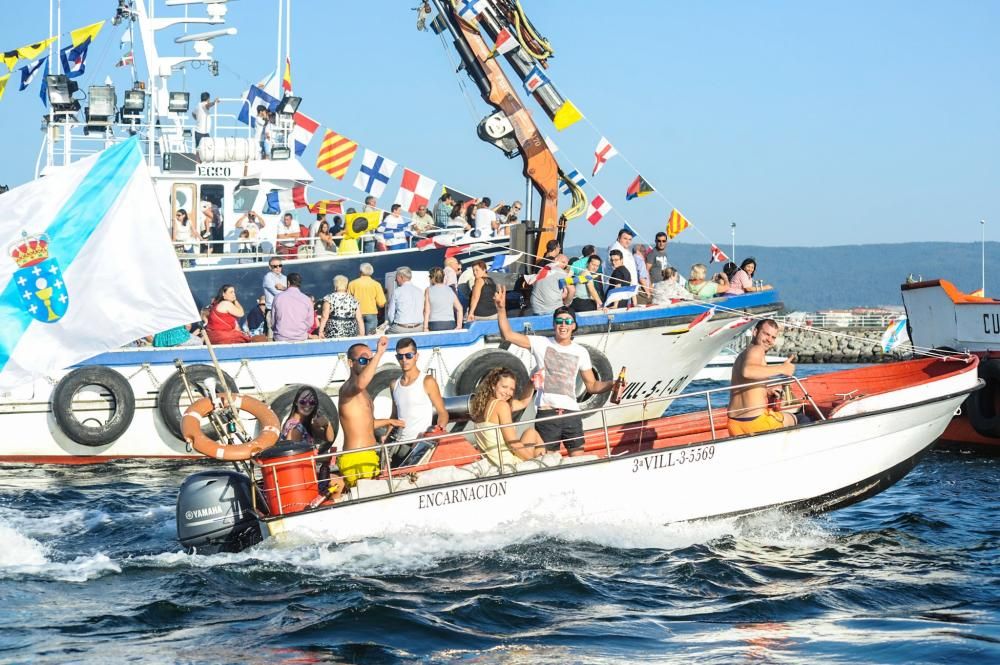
{"points": [[943, 318]]}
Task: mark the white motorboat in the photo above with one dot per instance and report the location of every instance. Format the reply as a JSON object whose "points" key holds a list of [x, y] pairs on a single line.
{"points": [[871, 426]]}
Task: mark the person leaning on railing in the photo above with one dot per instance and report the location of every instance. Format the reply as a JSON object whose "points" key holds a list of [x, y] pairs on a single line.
{"points": [[742, 280]]}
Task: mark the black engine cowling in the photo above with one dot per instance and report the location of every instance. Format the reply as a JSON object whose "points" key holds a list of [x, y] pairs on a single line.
{"points": [[215, 513]]}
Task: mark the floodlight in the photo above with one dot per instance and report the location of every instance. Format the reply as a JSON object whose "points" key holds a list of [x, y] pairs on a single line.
{"points": [[103, 101], [281, 153], [179, 102], [288, 104], [135, 100], [59, 90]]}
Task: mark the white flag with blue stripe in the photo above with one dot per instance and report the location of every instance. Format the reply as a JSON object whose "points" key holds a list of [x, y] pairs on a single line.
{"points": [[89, 265], [625, 293], [573, 176]]}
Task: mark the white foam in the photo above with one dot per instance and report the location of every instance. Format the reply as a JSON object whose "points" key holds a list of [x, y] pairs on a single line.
{"points": [[19, 550]]}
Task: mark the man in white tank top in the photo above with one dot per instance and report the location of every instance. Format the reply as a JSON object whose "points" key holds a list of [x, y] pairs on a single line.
{"points": [[415, 395]]}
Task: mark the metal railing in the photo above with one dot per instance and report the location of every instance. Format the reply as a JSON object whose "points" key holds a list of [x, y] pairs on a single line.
{"points": [[845, 320]]}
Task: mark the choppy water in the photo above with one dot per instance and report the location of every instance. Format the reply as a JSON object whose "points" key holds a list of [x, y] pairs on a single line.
{"points": [[90, 572]]}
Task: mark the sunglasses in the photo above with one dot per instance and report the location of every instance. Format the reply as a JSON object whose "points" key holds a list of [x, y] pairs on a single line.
{"points": [[564, 322], [275, 265], [661, 240], [408, 355], [362, 361], [306, 401]]}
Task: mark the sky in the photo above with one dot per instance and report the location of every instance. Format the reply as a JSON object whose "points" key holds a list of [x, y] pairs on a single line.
{"points": [[805, 124]]}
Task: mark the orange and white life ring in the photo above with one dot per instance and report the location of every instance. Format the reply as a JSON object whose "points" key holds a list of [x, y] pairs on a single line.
{"points": [[195, 416]]}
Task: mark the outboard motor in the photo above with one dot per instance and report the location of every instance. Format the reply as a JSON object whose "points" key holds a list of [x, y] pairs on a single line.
{"points": [[215, 513]]}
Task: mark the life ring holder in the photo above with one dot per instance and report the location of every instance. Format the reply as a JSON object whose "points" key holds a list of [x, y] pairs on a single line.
{"points": [[196, 413]]}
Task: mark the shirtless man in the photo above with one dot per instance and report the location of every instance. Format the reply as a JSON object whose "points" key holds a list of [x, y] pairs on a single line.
{"points": [[748, 410], [357, 416]]}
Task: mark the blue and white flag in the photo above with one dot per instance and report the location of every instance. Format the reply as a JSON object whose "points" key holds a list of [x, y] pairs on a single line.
{"points": [[44, 88], [501, 261], [575, 177], [89, 265], [28, 72], [895, 335], [374, 174], [621, 293], [255, 97], [468, 10], [394, 231], [535, 79], [74, 59]]}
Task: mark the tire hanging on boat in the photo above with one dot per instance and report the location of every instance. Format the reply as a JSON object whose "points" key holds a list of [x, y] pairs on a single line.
{"points": [[475, 367], [603, 372], [281, 404], [121, 417], [194, 423], [983, 406], [168, 399]]}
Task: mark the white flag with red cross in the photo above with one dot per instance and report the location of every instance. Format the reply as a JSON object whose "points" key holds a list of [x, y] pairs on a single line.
{"points": [[602, 154]]}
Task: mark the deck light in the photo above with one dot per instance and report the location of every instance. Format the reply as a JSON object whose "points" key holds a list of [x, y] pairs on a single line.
{"points": [[179, 102]]}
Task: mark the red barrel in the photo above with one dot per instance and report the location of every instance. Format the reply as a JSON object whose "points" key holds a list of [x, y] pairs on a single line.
{"points": [[289, 471]]}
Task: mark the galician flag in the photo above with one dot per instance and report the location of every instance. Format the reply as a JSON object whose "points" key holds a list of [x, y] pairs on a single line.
{"points": [[89, 266], [416, 190], [374, 174]]}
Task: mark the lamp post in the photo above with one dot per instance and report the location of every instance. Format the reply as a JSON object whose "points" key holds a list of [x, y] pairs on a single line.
{"points": [[732, 232], [982, 224]]}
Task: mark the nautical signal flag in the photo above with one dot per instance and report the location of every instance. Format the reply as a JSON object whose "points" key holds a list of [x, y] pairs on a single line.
{"points": [[566, 116], [574, 177], [286, 80], [535, 79], [127, 60], [32, 51], [335, 154], [28, 72], [256, 96], [639, 187], [501, 261], [541, 274], [283, 200], [505, 43], [327, 207], [676, 223], [374, 174], [718, 255], [468, 10], [302, 132], [81, 35], [74, 59], [597, 209], [416, 190], [3, 84], [602, 154]]}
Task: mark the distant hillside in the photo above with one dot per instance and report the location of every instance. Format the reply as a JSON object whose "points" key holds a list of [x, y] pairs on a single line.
{"points": [[814, 278]]}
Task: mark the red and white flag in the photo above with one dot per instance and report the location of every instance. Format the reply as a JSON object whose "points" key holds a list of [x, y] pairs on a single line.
{"points": [[505, 44], [718, 255], [541, 274], [597, 209], [127, 60], [302, 132], [602, 154], [416, 190]]}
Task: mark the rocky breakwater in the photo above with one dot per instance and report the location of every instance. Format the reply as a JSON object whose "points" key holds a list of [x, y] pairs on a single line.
{"points": [[839, 345]]}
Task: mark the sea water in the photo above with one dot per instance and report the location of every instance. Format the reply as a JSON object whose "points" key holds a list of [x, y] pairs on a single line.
{"points": [[90, 571]]}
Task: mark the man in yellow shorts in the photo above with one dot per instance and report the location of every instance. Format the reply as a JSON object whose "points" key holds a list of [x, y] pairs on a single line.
{"points": [[748, 410], [357, 416]]}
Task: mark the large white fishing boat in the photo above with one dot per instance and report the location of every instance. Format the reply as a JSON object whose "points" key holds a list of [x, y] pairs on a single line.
{"points": [[871, 426]]}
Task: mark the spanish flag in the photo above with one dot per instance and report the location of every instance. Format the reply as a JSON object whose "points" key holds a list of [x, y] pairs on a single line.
{"points": [[566, 116], [286, 80], [639, 187], [676, 223]]}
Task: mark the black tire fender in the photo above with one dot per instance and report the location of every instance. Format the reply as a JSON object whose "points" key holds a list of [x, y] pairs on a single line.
{"points": [[281, 404], [169, 397], [983, 406], [379, 387], [95, 375], [603, 372], [475, 367]]}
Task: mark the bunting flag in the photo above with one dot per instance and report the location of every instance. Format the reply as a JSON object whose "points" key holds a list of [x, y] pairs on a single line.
{"points": [[126, 40], [81, 35], [676, 224], [374, 174], [535, 79], [718, 255], [431, 243], [505, 43], [468, 10], [302, 131], [10, 59], [461, 199], [357, 224], [501, 261], [551, 145], [28, 72], [701, 318], [416, 190], [335, 154], [327, 207], [597, 209], [74, 59], [283, 200], [541, 274], [638, 188], [576, 178], [3, 84], [256, 96], [32, 51], [602, 154], [286, 80], [566, 116], [43, 89], [127, 60], [625, 293]]}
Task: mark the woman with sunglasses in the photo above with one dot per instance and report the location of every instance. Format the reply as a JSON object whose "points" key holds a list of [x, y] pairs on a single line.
{"points": [[493, 403], [305, 424], [182, 234]]}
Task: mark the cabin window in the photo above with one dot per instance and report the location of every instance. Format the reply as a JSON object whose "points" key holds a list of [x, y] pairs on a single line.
{"points": [[183, 195]]}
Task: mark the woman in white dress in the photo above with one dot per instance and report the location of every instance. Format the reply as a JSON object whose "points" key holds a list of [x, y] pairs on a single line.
{"points": [[493, 404]]}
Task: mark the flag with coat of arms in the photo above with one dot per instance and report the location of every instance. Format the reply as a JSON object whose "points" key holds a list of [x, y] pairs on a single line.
{"points": [[89, 266]]}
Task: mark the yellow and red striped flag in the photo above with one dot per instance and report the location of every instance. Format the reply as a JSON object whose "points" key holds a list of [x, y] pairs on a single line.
{"points": [[676, 223], [335, 154], [327, 207], [286, 80]]}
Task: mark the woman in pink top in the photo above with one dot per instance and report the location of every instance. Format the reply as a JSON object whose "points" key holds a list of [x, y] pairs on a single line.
{"points": [[742, 281]]}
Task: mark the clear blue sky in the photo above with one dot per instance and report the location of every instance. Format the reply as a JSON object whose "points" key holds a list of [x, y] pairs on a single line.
{"points": [[806, 123]]}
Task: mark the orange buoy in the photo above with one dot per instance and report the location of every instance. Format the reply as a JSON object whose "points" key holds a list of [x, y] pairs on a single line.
{"points": [[195, 416]]}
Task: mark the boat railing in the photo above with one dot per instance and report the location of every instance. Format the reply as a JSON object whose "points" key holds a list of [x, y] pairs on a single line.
{"points": [[396, 479]]}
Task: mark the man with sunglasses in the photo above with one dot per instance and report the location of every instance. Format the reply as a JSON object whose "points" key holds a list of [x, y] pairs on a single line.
{"points": [[656, 259], [357, 414], [415, 397], [559, 360], [274, 283]]}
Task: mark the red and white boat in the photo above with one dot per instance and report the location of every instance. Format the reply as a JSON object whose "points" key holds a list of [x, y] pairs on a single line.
{"points": [[942, 317], [872, 425]]}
